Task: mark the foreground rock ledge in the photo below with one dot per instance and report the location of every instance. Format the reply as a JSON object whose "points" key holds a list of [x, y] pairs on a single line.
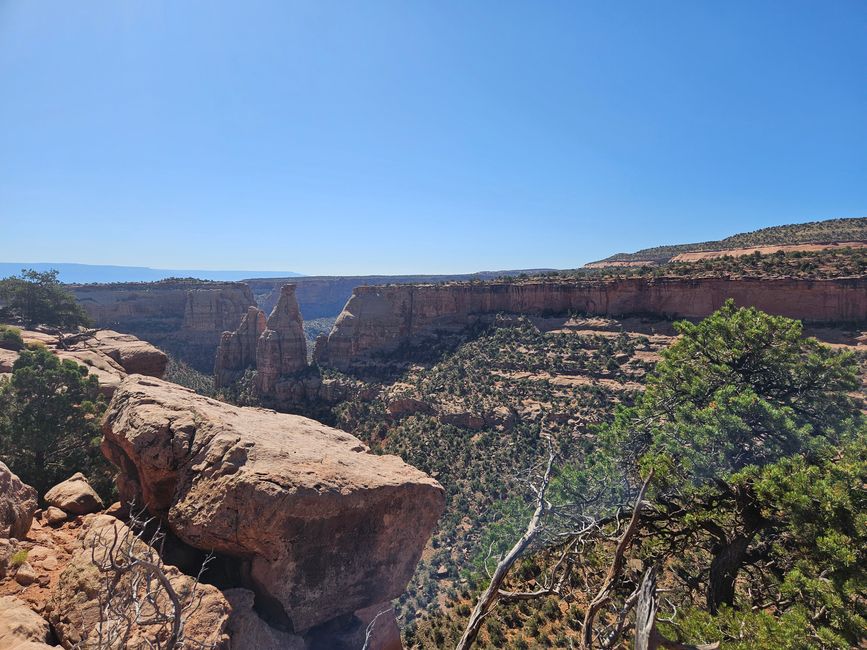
{"points": [[321, 526]]}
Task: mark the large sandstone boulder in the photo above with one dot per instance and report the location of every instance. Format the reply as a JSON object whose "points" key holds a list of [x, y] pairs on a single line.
{"points": [[78, 613], [324, 527], [74, 496], [20, 627], [17, 505]]}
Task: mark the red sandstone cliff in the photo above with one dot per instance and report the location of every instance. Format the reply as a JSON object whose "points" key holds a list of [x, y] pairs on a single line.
{"points": [[378, 319], [185, 318]]}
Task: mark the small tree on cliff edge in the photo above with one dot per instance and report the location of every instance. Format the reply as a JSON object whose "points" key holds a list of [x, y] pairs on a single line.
{"points": [[49, 421], [38, 298]]}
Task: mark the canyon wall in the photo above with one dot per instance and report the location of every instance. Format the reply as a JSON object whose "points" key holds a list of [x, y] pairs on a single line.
{"points": [[379, 319], [185, 318], [324, 296]]}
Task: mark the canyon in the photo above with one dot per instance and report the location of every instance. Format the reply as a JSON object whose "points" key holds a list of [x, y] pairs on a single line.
{"points": [[194, 320]]}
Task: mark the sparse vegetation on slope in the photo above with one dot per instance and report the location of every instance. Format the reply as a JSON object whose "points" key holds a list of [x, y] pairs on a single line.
{"points": [[830, 230]]}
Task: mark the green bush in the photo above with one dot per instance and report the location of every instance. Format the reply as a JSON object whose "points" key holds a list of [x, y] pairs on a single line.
{"points": [[10, 338]]}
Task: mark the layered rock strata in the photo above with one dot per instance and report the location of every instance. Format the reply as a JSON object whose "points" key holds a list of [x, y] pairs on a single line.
{"points": [[321, 527], [380, 319], [184, 317]]}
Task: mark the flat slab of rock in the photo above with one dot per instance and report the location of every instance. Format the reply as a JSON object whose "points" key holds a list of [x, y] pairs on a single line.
{"points": [[17, 505], [74, 496], [326, 527]]}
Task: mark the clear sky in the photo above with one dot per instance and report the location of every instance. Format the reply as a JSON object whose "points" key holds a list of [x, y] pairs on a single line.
{"points": [[420, 136]]}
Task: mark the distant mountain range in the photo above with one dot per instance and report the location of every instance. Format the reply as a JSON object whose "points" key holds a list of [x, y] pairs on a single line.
{"points": [[88, 273], [813, 232]]}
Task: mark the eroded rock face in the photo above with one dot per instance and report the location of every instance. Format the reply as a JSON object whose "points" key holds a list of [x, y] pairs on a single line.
{"points": [[17, 505], [282, 347], [131, 353], [380, 319], [325, 528], [249, 632], [20, 627], [74, 496], [108, 355], [183, 317], [237, 350], [74, 610]]}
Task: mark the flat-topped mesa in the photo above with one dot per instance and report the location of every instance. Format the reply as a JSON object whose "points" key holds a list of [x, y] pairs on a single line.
{"points": [[237, 350], [282, 347], [318, 526], [380, 319]]}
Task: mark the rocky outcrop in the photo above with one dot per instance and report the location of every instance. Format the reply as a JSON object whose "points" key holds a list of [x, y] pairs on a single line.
{"points": [[74, 496], [380, 319], [131, 353], [184, 317], [107, 355], [277, 351], [282, 347], [237, 350], [321, 526], [21, 628], [17, 505], [75, 607]]}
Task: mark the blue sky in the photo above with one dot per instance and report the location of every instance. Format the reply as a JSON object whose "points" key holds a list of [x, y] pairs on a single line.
{"points": [[396, 137]]}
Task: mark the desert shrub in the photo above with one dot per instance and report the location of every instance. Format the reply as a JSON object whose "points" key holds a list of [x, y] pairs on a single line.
{"points": [[10, 338]]}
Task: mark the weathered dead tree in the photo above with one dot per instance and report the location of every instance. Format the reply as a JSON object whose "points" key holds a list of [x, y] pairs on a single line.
{"points": [[138, 604], [614, 570], [489, 598], [647, 637]]}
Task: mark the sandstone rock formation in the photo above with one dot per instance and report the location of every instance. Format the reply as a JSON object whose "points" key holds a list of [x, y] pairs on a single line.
{"points": [[237, 350], [75, 604], [103, 352], [277, 350], [21, 628], [282, 348], [74, 496], [17, 505], [380, 319], [131, 353], [323, 527], [184, 317]]}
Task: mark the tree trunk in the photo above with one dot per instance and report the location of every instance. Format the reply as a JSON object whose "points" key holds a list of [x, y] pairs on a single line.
{"points": [[724, 572]]}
